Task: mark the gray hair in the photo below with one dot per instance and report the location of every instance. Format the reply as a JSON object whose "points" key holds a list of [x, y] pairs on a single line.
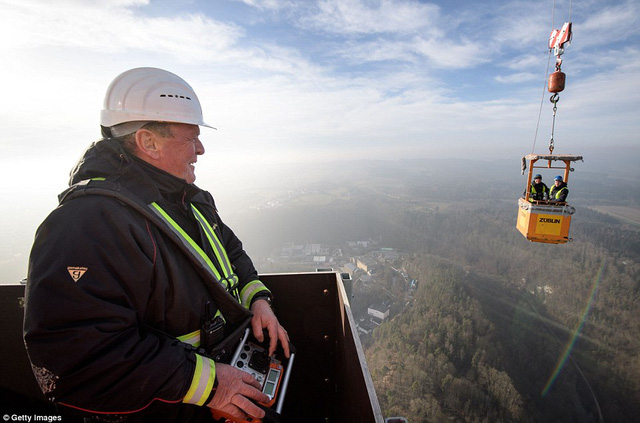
{"points": [[128, 141]]}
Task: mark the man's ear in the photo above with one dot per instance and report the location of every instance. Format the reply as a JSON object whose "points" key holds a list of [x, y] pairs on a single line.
{"points": [[148, 144]]}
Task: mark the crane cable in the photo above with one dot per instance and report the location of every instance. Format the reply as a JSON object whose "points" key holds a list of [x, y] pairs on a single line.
{"points": [[544, 88], [555, 97]]}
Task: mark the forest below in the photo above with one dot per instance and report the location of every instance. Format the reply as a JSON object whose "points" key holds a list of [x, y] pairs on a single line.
{"points": [[494, 315], [499, 329]]}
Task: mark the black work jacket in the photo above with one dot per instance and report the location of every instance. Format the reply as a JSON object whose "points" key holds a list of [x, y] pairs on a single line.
{"points": [[559, 193], [110, 287], [537, 191]]}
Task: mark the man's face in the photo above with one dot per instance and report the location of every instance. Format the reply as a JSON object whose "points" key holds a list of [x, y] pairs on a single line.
{"points": [[537, 180], [557, 182], [179, 153]]}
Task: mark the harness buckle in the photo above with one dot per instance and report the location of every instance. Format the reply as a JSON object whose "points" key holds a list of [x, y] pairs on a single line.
{"points": [[230, 282]]}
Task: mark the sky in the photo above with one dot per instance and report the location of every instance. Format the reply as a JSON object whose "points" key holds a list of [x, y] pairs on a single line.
{"points": [[312, 80]]}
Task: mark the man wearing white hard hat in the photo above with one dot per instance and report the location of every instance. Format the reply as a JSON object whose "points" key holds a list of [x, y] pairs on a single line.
{"points": [[136, 287]]}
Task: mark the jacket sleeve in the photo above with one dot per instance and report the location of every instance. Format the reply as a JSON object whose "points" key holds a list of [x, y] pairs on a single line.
{"points": [[90, 274]]}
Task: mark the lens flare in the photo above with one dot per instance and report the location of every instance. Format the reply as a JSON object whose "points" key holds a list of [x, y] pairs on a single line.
{"points": [[576, 333]]}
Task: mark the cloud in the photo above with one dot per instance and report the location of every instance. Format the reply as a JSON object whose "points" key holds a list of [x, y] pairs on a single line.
{"points": [[516, 78], [360, 71], [518, 25], [449, 54], [114, 27], [527, 62], [418, 52], [405, 31], [608, 26], [361, 17], [273, 5]]}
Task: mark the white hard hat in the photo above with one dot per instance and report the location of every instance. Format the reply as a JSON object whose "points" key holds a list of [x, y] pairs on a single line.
{"points": [[150, 94]]}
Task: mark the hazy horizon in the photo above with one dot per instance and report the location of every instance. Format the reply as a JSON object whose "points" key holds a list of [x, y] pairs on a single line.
{"points": [[235, 195]]}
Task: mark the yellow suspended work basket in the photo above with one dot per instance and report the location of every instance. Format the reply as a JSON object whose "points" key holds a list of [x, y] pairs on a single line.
{"points": [[542, 221]]}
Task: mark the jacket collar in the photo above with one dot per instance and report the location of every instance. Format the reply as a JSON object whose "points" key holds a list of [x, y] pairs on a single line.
{"points": [[170, 187]]}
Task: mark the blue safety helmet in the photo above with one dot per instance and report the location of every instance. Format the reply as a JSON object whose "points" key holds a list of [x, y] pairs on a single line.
{"points": [[558, 178], [538, 176]]}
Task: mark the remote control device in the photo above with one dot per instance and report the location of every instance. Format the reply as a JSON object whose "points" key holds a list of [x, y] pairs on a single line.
{"points": [[272, 372]]}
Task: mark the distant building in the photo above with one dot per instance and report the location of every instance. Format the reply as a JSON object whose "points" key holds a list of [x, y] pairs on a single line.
{"points": [[349, 268], [316, 249], [366, 326], [292, 251], [378, 311], [388, 253], [364, 244], [367, 264]]}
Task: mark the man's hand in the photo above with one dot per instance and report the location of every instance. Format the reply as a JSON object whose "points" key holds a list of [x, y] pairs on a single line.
{"points": [[263, 318], [234, 392]]}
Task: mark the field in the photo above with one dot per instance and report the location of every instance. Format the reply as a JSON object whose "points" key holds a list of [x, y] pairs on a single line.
{"points": [[624, 213]]}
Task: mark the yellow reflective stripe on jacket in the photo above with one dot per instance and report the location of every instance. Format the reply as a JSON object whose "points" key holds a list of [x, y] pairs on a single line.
{"points": [[533, 192], [218, 248], [192, 338], [230, 280], [187, 241], [202, 381], [250, 290], [556, 194]]}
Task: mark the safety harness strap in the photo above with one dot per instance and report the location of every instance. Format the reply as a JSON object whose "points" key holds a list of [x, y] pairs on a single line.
{"points": [[230, 281], [188, 242]]}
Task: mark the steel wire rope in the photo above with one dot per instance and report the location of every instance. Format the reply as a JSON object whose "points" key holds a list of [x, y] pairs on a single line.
{"points": [[546, 76], [544, 87]]}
